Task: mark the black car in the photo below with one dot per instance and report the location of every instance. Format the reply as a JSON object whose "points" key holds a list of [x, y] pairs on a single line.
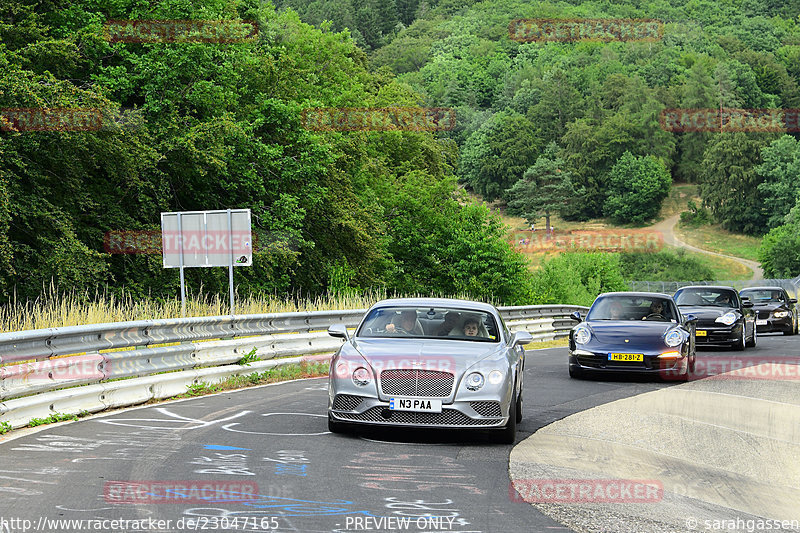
{"points": [[775, 310], [641, 332], [723, 318]]}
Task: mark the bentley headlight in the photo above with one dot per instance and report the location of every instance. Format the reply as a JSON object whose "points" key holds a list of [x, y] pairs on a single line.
{"points": [[582, 335], [781, 314], [495, 377], [361, 377], [727, 318], [474, 381], [673, 338]]}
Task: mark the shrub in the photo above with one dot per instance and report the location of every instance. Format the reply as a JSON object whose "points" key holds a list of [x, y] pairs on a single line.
{"points": [[577, 278], [665, 265], [780, 252], [637, 186]]}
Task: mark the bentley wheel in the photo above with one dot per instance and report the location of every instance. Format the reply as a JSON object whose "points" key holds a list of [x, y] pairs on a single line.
{"points": [[509, 432], [519, 409], [336, 427]]}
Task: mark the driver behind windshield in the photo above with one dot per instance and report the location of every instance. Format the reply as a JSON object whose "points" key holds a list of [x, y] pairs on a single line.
{"points": [[404, 323], [658, 311], [724, 300]]}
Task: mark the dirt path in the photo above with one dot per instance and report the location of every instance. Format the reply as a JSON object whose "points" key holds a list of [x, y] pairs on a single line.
{"points": [[667, 229]]}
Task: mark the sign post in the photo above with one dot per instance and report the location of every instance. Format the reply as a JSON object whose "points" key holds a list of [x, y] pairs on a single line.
{"points": [[206, 239]]}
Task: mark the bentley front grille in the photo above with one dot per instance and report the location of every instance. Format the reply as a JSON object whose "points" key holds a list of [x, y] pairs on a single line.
{"points": [[416, 382]]}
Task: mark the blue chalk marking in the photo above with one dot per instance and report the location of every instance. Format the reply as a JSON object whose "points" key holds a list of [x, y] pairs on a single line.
{"points": [[219, 447]]}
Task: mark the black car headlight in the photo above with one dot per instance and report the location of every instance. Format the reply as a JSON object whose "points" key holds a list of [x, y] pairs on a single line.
{"points": [[728, 318], [582, 335], [673, 338]]}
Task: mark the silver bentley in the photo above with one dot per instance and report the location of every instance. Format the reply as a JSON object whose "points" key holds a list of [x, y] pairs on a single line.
{"points": [[428, 362]]}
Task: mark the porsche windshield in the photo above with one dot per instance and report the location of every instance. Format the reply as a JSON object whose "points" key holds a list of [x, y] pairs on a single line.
{"points": [[632, 308], [430, 322], [706, 297]]}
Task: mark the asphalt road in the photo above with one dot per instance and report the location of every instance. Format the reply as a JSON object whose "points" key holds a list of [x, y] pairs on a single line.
{"points": [[261, 459]]}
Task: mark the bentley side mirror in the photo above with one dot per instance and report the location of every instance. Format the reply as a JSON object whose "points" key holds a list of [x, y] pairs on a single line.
{"points": [[792, 300], [520, 337], [338, 330], [746, 303], [576, 315]]}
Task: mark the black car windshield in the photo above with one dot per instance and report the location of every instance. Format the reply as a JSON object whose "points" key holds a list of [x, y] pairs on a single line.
{"points": [[430, 323], [706, 297], [633, 308], [763, 295]]}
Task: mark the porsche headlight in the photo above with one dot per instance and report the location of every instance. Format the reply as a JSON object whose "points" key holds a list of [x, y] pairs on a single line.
{"points": [[362, 377], [582, 335], [727, 318], [475, 381], [673, 338], [781, 314]]}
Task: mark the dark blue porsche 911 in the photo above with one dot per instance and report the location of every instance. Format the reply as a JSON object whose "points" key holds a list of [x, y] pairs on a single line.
{"points": [[640, 332]]}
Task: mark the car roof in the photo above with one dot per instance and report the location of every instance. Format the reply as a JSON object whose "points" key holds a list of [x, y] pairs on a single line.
{"points": [[435, 302], [640, 294], [765, 288], [706, 287]]}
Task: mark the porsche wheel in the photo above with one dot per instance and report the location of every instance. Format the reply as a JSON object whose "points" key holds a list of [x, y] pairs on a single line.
{"points": [[741, 342], [575, 373]]}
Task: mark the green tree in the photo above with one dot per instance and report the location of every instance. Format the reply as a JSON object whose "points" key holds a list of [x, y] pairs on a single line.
{"points": [[545, 188], [698, 93], [497, 155], [779, 253], [637, 187], [779, 174], [730, 181]]}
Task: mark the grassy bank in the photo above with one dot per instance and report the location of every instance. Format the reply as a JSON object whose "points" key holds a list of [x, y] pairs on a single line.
{"points": [[715, 239]]}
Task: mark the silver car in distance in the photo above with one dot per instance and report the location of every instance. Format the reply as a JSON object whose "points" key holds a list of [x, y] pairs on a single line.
{"points": [[429, 363]]}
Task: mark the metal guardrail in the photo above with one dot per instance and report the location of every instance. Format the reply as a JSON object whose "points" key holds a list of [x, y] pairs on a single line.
{"points": [[57, 360], [792, 286]]}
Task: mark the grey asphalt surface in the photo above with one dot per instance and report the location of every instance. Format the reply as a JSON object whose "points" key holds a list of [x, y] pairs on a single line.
{"points": [[274, 466]]}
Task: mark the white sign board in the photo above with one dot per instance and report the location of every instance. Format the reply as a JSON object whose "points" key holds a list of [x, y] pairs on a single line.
{"points": [[206, 238]]}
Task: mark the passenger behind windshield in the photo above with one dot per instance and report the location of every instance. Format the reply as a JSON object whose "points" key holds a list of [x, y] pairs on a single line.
{"points": [[433, 323], [763, 295], [472, 326]]}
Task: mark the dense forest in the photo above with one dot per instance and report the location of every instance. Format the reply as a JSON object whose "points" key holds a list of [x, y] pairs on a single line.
{"points": [[586, 104], [221, 128]]}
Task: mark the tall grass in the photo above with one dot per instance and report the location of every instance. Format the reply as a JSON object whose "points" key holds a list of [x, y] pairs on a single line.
{"points": [[54, 309], [57, 309]]}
